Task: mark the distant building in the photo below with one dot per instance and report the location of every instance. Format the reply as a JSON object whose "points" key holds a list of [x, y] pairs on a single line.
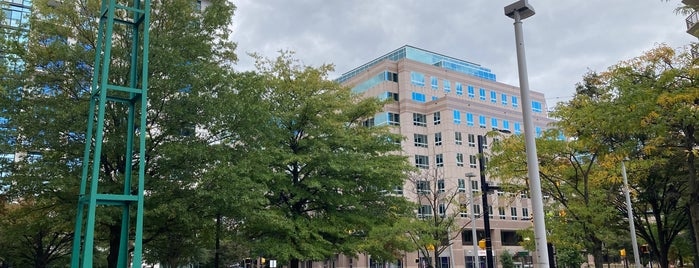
{"points": [[441, 106]]}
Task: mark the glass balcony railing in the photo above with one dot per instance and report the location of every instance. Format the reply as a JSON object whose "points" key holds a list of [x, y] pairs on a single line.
{"points": [[692, 23]]}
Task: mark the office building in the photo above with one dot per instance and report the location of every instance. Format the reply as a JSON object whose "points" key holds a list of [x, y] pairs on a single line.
{"points": [[441, 105]]}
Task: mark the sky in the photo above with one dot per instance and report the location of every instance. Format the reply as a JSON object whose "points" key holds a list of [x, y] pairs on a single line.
{"points": [[564, 39]]}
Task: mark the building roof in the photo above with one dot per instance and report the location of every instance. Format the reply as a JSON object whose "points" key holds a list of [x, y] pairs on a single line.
{"points": [[427, 57]]}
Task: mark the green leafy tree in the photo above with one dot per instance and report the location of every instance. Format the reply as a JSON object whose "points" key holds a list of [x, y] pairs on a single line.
{"points": [[653, 100], [506, 260], [328, 179], [190, 57], [577, 183]]}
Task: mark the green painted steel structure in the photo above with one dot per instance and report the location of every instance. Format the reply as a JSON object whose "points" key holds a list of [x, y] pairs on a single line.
{"points": [[130, 18]]}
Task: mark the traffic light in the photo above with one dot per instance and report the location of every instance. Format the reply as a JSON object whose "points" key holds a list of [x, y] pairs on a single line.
{"points": [[644, 249], [622, 252], [481, 243]]}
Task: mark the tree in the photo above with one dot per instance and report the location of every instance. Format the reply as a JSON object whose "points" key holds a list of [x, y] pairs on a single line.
{"points": [[575, 180], [328, 179], [653, 100], [190, 57], [506, 260], [440, 206]]}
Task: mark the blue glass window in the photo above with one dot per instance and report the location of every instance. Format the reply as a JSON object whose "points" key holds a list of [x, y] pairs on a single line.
{"points": [[505, 124], [481, 93], [518, 129], [471, 92], [435, 83], [419, 97], [494, 122], [536, 106], [469, 119], [493, 97], [503, 98], [481, 120], [417, 79], [538, 131], [457, 117], [447, 86], [459, 89], [434, 98], [515, 102]]}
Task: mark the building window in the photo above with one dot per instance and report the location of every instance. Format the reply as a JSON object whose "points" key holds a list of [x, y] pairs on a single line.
{"points": [[393, 119], [439, 160], [469, 119], [471, 140], [463, 210], [447, 86], [398, 190], [493, 97], [438, 139], [457, 138], [423, 187], [437, 116], [538, 131], [481, 121], [503, 98], [369, 122], [490, 212], [481, 93], [440, 186], [390, 76], [435, 83], [501, 213], [442, 210], [485, 142], [525, 213], [536, 106], [510, 238], [390, 96], [459, 159], [471, 92], [434, 98], [461, 185], [459, 89], [422, 161], [494, 123], [419, 120], [477, 210], [457, 117], [420, 140], [425, 211], [515, 102], [505, 125], [474, 186], [419, 97], [472, 161], [513, 213], [517, 128], [417, 79]]}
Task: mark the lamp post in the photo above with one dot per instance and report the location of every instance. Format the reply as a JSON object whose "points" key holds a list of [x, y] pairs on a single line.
{"points": [[474, 234], [632, 226], [518, 11]]}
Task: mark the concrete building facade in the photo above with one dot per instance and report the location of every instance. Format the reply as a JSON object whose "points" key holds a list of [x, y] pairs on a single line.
{"points": [[441, 105]]}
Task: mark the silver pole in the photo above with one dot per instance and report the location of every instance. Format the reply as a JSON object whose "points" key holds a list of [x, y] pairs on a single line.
{"points": [[542, 255], [632, 226], [474, 234]]}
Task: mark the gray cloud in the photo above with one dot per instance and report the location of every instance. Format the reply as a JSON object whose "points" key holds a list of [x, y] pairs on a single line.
{"points": [[563, 41]]}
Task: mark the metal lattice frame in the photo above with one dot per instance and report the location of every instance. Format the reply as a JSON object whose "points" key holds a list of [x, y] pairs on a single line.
{"points": [[135, 19]]}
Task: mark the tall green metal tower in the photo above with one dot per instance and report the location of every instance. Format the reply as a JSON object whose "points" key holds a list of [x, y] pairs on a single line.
{"points": [[123, 21]]}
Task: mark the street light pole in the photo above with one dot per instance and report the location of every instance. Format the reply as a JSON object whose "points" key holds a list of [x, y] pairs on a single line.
{"points": [[632, 226], [474, 234], [518, 11]]}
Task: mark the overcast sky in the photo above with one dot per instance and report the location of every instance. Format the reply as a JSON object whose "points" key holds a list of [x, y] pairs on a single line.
{"points": [[564, 40]]}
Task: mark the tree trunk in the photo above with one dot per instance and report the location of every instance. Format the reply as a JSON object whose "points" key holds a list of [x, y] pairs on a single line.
{"points": [[694, 190], [217, 254], [294, 263], [114, 240], [597, 253]]}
